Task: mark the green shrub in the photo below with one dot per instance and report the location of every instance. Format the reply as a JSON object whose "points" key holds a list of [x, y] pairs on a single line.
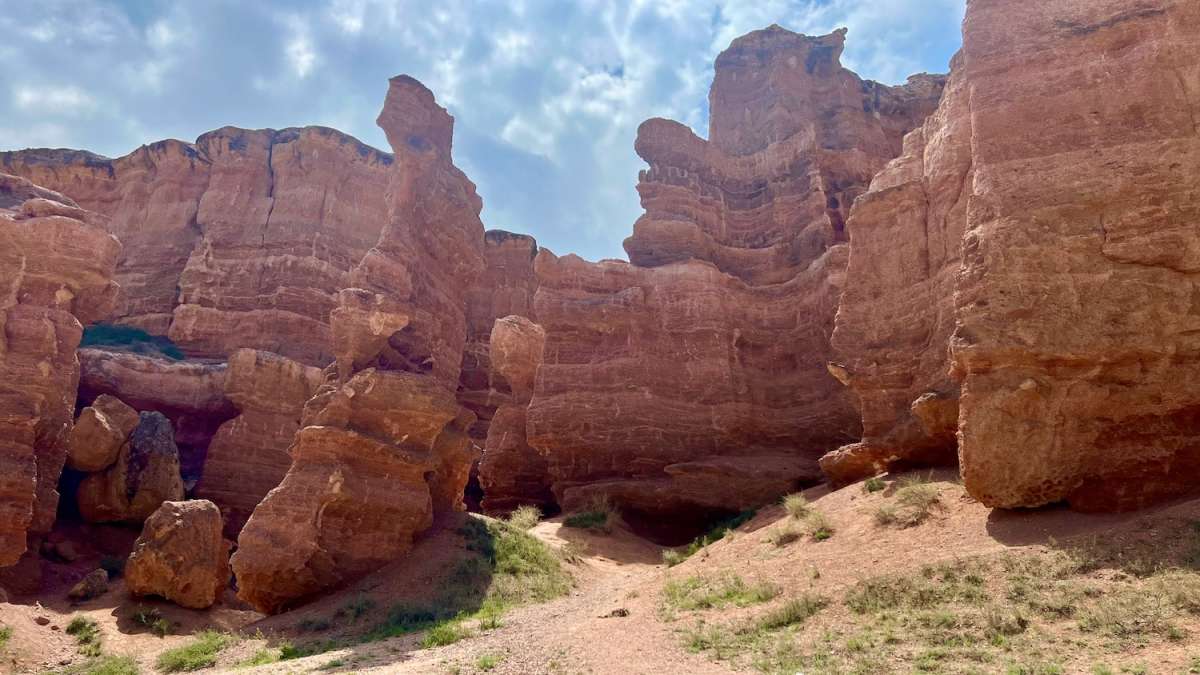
{"points": [[873, 484], [487, 662], [525, 517], [711, 592], [86, 634], [444, 634], [104, 665], [794, 611], [200, 653], [128, 338]]}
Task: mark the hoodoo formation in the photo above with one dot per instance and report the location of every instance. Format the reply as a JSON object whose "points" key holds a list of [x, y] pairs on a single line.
{"points": [[286, 358]]}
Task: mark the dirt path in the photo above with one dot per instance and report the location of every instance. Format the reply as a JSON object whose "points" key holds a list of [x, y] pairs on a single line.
{"points": [[583, 632]]}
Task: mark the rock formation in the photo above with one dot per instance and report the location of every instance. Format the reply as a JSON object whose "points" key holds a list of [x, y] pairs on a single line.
{"points": [[57, 262], [505, 288], [512, 473], [181, 555], [897, 309], [241, 239], [1078, 323], [145, 475], [190, 394], [384, 443], [248, 457], [693, 381], [99, 432]]}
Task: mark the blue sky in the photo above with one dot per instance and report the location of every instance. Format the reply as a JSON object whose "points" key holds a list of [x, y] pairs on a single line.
{"points": [[547, 94]]}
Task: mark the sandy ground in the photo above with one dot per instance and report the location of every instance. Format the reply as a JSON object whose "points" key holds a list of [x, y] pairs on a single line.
{"points": [[612, 620]]}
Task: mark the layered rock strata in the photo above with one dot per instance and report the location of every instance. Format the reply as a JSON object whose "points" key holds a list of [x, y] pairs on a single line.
{"points": [[57, 263], [505, 287], [241, 239], [1078, 323], [383, 446], [511, 472], [191, 394], [181, 555], [667, 382], [248, 456], [896, 314]]}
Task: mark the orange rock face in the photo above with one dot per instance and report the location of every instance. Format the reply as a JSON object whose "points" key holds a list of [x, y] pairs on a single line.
{"points": [[1078, 337], [242, 239], [384, 445], [897, 309], [190, 394], [505, 288], [181, 555], [667, 381], [512, 473], [248, 456], [99, 432], [58, 263], [145, 475]]}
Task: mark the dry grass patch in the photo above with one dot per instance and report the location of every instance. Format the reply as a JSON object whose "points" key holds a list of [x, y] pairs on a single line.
{"points": [[912, 504], [698, 592]]}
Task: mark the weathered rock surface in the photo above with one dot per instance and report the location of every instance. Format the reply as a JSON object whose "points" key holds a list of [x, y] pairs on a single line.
{"points": [[181, 555], [384, 445], [897, 310], [57, 264], [248, 457], [99, 432], [145, 475], [189, 393], [1078, 336], [511, 472], [669, 379], [505, 287], [241, 239]]}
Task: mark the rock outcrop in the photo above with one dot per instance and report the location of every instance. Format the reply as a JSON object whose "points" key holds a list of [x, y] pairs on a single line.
{"points": [[505, 287], [181, 555], [384, 444], [241, 239], [191, 394], [57, 263], [248, 457], [512, 473], [667, 381], [145, 475], [1078, 323]]}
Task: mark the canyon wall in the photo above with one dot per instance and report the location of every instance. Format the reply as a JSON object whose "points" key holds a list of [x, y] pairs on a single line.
{"points": [[1078, 323], [57, 262], [693, 381]]}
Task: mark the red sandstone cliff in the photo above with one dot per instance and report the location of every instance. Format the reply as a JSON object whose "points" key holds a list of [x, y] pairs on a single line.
{"points": [[57, 262], [693, 381]]}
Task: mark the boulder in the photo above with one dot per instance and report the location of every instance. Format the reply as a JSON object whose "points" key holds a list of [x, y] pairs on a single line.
{"points": [[58, 263], [99, 432], [181, 555], [145, 475], [91, 586]]}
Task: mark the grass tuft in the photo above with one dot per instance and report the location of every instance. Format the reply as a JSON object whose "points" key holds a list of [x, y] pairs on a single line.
{"points": [[793, 612], [914, 503], [86, 634], [200, 653], [104, 665], [874, 484], [796, 505], [487, 662], [697, 592], [597, 516], [525, 517]]}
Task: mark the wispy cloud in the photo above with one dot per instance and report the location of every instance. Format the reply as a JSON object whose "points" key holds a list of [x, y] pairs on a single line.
{"points": [[547, 95]]}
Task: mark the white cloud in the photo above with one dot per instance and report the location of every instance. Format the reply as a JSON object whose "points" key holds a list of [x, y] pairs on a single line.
{"points": [[300, 53], [53, 100]]}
